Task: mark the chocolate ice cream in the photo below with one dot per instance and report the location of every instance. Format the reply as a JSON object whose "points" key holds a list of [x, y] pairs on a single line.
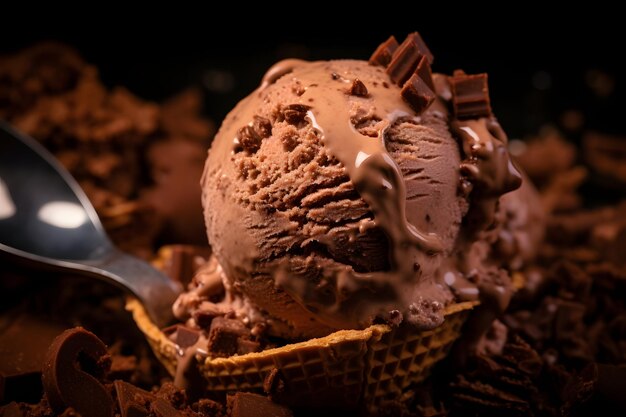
{"points": [[340, 193]]}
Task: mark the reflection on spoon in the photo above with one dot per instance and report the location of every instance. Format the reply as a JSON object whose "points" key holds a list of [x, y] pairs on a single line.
{"points": [[7, 208], [62, 214]]}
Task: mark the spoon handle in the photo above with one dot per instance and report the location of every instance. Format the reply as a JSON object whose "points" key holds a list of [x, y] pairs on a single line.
{"points": [[155, 290]]}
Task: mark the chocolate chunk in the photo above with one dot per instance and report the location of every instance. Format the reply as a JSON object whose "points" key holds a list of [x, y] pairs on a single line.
{"points": [[224, 336], [262, 127], [132, 401], [247, 404], [248, 139], [75, 366], [23, 345], [425, 73], [295, 113], [11, 409], [182, 335], [247, 346], [162, 408], [404, 61], [183, 261], [417, 93], [383, 54], [470, 96], [358, 88], [421, 45]]}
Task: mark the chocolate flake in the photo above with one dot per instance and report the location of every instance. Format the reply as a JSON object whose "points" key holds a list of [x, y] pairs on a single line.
{"points": [[383, 54], [358, 88], [417, 94], [470, 95]]}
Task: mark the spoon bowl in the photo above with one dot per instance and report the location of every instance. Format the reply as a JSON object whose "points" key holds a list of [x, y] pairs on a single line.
{"points": [[46, 220]]}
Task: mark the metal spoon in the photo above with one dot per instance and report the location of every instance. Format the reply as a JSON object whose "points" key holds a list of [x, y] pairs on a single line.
{"points": [[47, 220]]}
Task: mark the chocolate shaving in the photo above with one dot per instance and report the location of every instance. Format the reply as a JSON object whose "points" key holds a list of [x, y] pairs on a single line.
{"points": [[416, 92], [358, 88], [382, 55], [470, 95]]}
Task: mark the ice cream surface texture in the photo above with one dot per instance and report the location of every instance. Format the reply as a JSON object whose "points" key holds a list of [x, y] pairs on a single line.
{"points": [[332, 200]]}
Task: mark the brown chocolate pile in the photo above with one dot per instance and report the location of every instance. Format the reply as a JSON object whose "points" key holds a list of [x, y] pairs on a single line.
{"points": [[79, 379], [129, 155]]}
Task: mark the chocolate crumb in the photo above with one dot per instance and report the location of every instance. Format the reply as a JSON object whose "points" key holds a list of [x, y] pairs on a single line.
{"points": [[274, 384]]}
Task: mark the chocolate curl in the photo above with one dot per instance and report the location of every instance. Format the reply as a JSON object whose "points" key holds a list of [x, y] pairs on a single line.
{"points": [[470, 95]]}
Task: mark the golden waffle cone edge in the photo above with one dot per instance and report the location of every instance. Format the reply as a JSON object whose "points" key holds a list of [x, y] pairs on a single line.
{"points": [[346, 368]]}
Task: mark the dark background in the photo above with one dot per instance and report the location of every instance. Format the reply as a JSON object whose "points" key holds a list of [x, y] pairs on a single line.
{"points": [[541, 67]]}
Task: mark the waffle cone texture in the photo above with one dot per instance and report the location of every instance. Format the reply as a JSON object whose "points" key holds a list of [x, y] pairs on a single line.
{"points": [[347, 368]]}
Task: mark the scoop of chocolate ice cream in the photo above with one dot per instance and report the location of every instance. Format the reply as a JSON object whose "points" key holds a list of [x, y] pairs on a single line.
{"points": [[330, 201]]}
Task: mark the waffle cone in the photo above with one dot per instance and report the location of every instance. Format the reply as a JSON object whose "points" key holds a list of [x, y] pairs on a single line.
{"points": [[346, 368]]}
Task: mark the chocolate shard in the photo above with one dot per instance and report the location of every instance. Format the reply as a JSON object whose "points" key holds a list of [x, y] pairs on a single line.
{"points": [[425, 73], [404, 61], [417, 93], [247, 404], [132, 401], [383, 54], [421, 45], [358, 88], [470, 95]]}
